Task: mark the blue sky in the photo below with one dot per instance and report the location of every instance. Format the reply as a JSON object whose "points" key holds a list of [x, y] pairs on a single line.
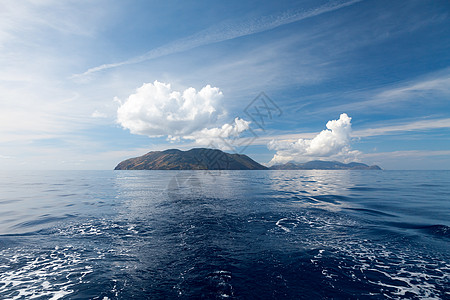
{"points": [[86, 84]]}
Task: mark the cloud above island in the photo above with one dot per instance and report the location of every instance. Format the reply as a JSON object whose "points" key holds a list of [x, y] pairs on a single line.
{"points": [[331, 143], [156, 110], [220, 137]]}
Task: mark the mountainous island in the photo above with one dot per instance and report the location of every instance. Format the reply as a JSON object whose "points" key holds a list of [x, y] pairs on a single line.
{"points": [[214, 159], [194, 159]]}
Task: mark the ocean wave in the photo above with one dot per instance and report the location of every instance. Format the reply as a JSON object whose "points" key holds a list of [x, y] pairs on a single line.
{"points": [[437, 230]]}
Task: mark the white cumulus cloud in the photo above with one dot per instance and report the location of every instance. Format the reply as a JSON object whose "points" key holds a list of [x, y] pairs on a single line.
{"points": [[156, 110], [221, 137], [331, 143]]}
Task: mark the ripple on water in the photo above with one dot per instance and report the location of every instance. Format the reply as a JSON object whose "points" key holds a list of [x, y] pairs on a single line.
{"points": [[391, 269]]}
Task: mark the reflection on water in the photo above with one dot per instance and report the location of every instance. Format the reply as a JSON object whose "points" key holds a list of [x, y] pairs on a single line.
{"points": [[312, 182], [311, 188], [224, 234]]}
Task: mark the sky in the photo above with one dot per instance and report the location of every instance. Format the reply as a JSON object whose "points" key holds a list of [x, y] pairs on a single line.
{"points": [[87, 84]]}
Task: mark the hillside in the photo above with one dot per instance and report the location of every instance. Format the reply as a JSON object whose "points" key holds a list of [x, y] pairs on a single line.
{"points": [[194, 159]]}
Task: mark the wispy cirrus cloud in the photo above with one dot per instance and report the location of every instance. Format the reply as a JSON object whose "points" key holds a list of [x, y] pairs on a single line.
{"points": [[35, 99], [31, 18], [226, 31], [418, 89], [420, 125], [408, 153], [434, 87], [439, 84]]}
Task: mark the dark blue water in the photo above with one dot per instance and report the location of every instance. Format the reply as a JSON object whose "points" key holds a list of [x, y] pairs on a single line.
{"points": [[225, 234]]}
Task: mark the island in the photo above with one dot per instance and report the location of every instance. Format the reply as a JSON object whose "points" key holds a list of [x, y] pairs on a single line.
{"points": [[324, 165], [194, 159], [214, 159]]}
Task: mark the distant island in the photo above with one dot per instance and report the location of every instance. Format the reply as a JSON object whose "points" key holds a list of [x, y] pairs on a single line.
{"points": [[324, 165], [214, 159]]}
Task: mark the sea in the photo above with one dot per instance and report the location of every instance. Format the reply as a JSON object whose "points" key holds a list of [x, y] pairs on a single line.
{"points": [[296, 234]]}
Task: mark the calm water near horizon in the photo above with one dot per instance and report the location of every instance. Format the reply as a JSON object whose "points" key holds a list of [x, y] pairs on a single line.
{"points": [[225, 234]]}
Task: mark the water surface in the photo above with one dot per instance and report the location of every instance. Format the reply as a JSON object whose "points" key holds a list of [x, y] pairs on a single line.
{"points": [[225, 234]]}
